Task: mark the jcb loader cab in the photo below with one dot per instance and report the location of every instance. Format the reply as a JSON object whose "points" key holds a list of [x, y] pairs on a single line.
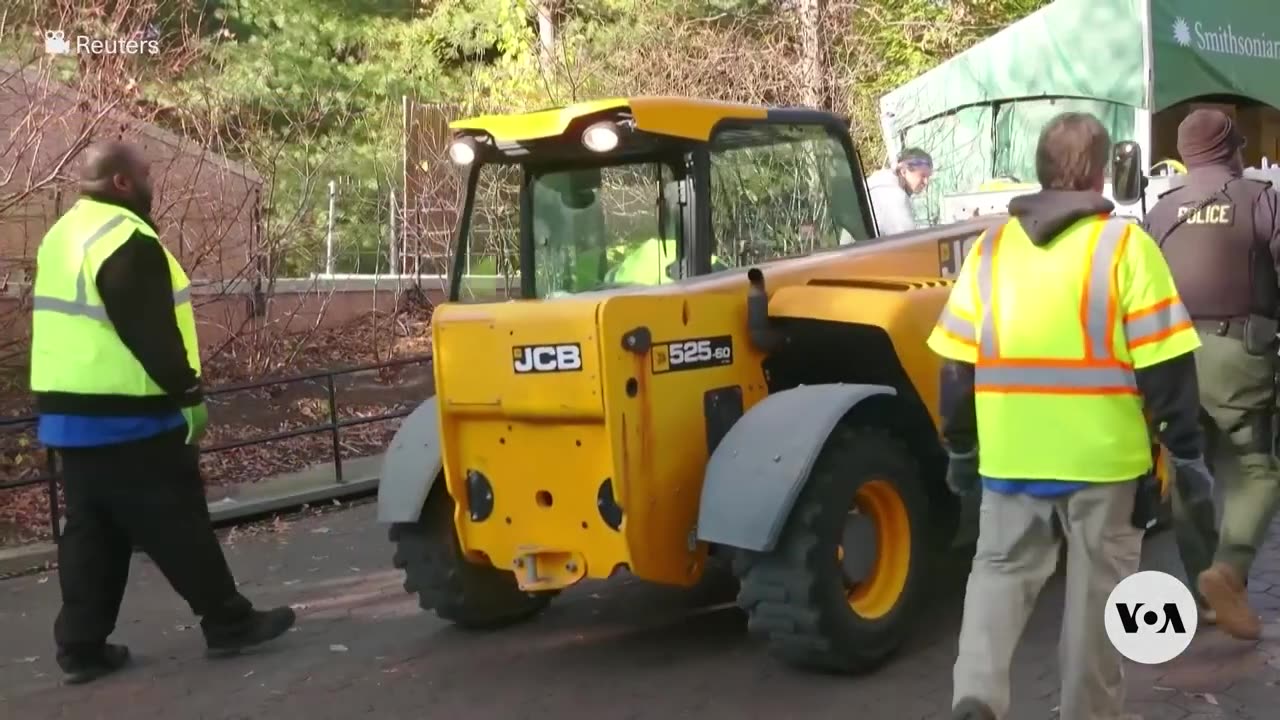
{"points": [[705, 353]]}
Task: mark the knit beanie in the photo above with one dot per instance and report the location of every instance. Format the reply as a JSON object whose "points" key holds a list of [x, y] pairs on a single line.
{"points": [[1208, 137]]}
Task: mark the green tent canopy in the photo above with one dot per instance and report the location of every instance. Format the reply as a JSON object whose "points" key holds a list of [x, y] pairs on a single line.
{"points": [[980, 112], [1070, 48], [1229, 47]]}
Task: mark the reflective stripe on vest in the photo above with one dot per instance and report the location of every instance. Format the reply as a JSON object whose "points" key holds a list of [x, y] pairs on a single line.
{"points": [[1099, 372], [959, 328], [80, 305], [1157, 322]]}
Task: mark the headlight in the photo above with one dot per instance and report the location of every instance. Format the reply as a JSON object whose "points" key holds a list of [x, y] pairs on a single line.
{"points": [[462, 152], [600, 137]]}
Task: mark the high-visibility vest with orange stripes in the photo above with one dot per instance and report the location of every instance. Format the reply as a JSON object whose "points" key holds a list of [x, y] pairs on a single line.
{"points": [[1055, 334]]}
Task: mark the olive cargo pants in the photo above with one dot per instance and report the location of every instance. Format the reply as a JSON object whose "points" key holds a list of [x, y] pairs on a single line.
{"points": [[1238, 391], [1017, 552]]}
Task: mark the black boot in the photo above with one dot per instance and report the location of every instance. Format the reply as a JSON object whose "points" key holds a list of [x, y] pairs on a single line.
{"points": [[238, 627], [971, 709], [82, 666]]}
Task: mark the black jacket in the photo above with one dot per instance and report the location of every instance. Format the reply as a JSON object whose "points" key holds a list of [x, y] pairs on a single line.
{"points": [[137, 294], [1169, 389], [1226, 262]]}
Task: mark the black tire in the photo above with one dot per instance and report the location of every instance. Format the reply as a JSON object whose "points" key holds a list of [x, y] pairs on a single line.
{"points": [[795, 595], [472, 596]]}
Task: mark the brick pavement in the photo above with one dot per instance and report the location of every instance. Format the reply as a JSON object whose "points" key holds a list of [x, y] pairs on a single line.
{"points": [[622, 649]]}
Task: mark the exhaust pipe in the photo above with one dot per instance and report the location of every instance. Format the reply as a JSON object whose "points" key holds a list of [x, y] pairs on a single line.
{"points": [[760, 330]]}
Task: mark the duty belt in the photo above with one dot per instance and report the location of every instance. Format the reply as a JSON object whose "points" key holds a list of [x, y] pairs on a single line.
{"points": [[1233, 329]]}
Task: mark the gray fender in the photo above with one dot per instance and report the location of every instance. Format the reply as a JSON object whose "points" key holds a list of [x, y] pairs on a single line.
{"points": [[756, 473], [411, 465]]}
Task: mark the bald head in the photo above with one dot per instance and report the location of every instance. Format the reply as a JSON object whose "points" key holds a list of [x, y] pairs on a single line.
{"points": [[117, 171]]}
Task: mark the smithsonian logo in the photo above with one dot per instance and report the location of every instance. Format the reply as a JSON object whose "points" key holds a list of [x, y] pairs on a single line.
{"points": [[1224, 40]]}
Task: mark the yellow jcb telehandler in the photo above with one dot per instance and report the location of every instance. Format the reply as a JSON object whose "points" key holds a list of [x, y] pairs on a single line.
{"points": [[706, 353]]}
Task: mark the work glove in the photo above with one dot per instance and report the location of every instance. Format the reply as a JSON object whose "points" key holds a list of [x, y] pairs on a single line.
{"points": [[1193, 479], [1195, 486], [197, 417], [962, 472]]}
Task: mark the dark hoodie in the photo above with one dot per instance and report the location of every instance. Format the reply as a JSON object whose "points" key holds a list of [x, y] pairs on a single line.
{"points": [[137, 294], [1169, 389]]}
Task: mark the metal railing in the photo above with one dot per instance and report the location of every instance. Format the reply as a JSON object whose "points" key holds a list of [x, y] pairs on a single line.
{"points": [[333, 426]]}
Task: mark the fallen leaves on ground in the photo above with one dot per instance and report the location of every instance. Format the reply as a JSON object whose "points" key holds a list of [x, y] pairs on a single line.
{"points": [[251, 414], [24, 515], [281, 523], [367, 340], [252, 463]]}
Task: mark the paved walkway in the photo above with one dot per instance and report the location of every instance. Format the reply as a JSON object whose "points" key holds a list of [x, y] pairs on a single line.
{"points": [[232, 504], [623, 650]]}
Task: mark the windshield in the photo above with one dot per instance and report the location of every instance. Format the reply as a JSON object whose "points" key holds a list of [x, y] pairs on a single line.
{"points": [[592, 229], [781, 191]]}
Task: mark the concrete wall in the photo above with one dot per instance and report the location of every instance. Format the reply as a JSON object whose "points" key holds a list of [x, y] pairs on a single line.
{"points": [[300, 305], [294, 305]]}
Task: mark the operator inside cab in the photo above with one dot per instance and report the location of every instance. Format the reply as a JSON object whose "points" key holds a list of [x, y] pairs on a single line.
{"points": [[586, 244], [654, 260]]}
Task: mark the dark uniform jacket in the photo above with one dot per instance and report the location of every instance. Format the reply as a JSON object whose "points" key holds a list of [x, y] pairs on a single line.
{"points": [[1231, 222]]}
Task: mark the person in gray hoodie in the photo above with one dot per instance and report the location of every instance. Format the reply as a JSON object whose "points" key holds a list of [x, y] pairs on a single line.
{"points": [[891, 190]]}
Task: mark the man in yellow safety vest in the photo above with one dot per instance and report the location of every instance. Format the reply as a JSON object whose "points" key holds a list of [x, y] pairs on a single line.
{"points": [[115, 369], [652, 262], [1063, 326]]}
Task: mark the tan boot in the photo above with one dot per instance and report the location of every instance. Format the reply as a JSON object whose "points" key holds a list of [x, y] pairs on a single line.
{"points": [[1207, 615], [1223, 590]]}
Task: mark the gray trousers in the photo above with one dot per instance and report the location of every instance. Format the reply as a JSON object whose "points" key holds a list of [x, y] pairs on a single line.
{"points": [[1017, 553]]}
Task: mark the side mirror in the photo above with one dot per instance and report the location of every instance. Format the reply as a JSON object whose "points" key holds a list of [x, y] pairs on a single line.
{"points": [[1128, 182]]}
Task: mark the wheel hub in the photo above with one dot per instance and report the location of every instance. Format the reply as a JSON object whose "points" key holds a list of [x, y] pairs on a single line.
{"points": [[875, 550], [860, 545]]}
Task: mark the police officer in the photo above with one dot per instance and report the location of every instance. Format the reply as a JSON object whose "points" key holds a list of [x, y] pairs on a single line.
{"points": [[1220, 234], [115, 369], [1062, 328]]}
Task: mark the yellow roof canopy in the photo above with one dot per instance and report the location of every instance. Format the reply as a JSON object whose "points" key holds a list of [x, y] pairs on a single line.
{"points": [[674, 116]]}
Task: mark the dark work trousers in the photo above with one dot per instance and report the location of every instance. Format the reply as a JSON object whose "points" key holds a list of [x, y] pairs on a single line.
{"points": [[1238, 391], [147, 494]]}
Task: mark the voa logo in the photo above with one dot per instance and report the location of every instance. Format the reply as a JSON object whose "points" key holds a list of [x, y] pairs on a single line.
{"points": [[565, 357], [1151, 617]]}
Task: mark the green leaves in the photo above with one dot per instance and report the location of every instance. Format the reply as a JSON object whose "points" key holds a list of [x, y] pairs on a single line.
{"points": [[307, 90]]}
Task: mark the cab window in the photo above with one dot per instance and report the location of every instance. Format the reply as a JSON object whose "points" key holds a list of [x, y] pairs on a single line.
{"points": [[597, 228], [780, 191], [491, 251]]}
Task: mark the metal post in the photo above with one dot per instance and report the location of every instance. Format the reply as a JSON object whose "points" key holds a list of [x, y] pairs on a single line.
{"points": [[393, 251], [333, 429], [52, 468], [328, 238]]}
